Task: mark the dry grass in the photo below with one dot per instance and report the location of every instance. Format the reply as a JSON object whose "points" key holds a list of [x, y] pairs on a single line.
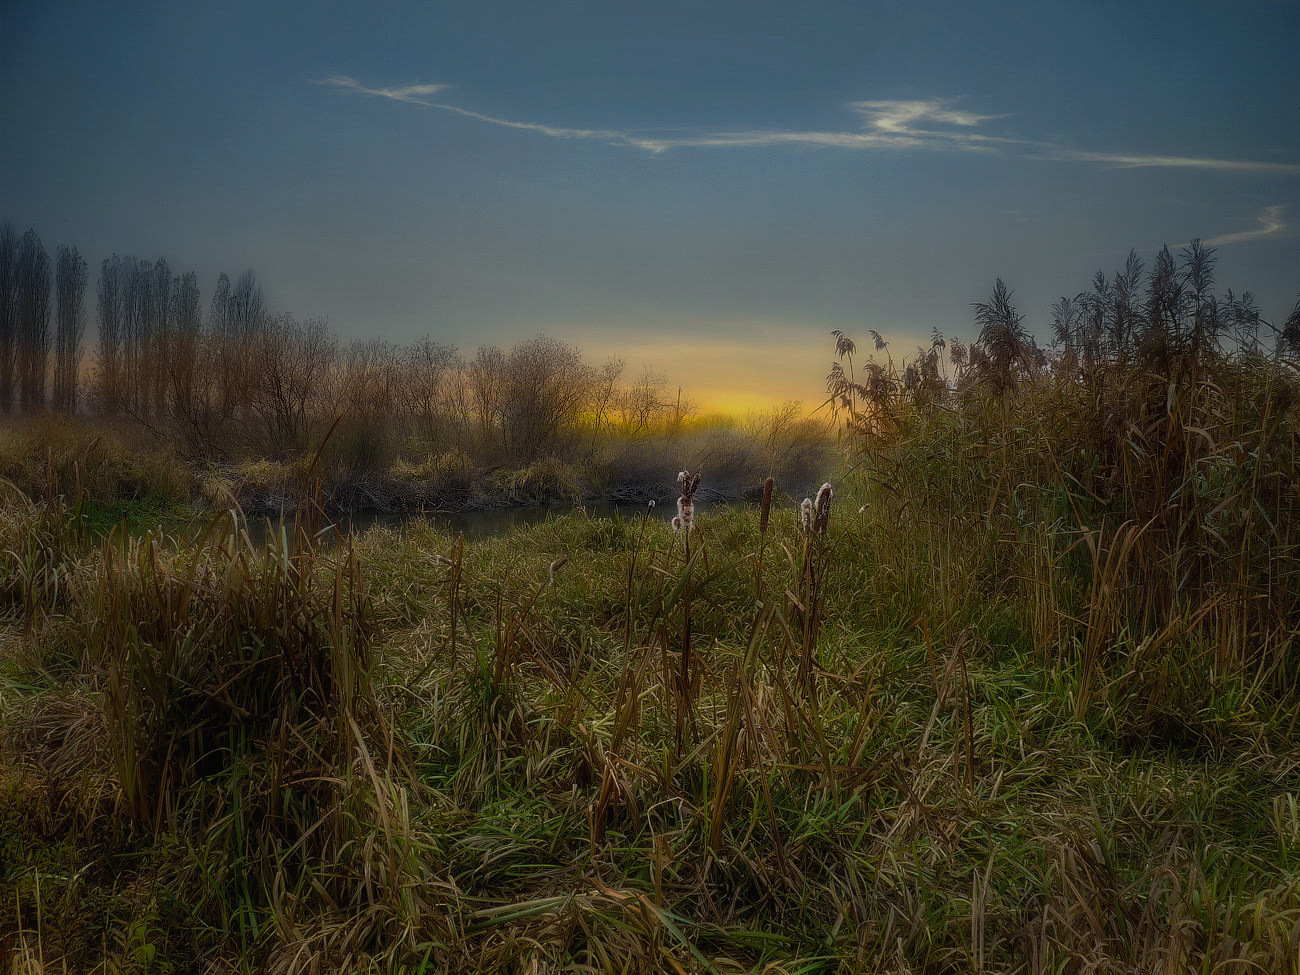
{"points": [[1021, 702], [501, 787]]}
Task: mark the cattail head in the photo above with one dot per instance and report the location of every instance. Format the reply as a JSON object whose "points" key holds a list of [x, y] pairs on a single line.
{"points": [[823, 508], [556, 566], [689, 482], [806, 516], [766, 508], [677, 523], [685, 519]]}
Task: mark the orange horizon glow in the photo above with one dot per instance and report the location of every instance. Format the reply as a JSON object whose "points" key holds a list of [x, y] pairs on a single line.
{"points": [[733, 375]]}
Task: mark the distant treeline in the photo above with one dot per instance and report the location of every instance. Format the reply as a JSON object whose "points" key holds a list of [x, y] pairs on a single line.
{"points": [[36, 372], [248, 382]]}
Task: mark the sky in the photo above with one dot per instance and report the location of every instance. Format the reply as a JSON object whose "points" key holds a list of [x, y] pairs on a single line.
{"points": [[702, 189]]}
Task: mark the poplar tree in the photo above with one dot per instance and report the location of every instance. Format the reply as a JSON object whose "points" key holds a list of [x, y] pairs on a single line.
{"points": [[70, 290], [33, 332]]}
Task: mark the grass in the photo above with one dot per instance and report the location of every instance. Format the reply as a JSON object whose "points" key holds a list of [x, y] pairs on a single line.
{"points": [[1018, 697], [498, 783]]}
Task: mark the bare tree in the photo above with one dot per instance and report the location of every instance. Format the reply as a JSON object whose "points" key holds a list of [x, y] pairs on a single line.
{"points": [[291, 365], [140, 334], [366, 395], [33, 332], [159, 352], [108, 378], [640, 403], [548, 387], [427, 366], [486, 378], [246, 306], [605, 392], [185, 318], [70, 289], [237, 314]]}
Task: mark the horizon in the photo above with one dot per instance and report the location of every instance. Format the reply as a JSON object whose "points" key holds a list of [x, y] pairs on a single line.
{"points": [[705, 193]]}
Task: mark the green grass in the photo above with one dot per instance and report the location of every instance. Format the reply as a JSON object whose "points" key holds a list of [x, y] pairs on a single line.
{"points": [[513, 797]]}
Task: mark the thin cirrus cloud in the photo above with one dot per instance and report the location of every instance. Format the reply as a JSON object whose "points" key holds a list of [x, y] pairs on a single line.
{"points": [[1271, 224], [895, 124]]}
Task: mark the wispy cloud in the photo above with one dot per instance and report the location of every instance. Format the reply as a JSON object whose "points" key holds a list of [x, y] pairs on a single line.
{"points": [[1271, 224], [416, 94], [1126, 160], [933, 123]]}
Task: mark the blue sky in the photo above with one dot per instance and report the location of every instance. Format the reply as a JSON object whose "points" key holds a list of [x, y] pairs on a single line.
{"points": [[704, 188]]}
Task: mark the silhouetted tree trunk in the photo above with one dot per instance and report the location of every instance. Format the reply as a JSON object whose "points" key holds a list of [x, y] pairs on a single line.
{"points": [[185, 336], [33, 333], [70, 289], [158, 355], [143, 311], [112, 328]]}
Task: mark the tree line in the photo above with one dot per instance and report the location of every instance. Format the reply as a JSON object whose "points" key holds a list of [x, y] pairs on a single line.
{"points": [[37, 370], [244, 381]]}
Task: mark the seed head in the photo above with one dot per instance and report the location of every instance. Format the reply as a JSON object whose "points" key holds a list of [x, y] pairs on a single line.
{"points": [[556, 566], [823, 508], [766, 508], [685, 519]]}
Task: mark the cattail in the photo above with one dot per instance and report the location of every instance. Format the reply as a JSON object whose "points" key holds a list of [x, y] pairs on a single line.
{"points": [[556, 566], [806, 516], [766, 508], [685, 513], [677, 523], [823, 507], [685, 519]]}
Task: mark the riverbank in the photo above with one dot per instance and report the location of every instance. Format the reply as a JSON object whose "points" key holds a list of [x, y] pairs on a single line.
{"points": [[114, 463]]}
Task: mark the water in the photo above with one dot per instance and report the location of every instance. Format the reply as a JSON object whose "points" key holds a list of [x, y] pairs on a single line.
{"points": [[481, 523]]}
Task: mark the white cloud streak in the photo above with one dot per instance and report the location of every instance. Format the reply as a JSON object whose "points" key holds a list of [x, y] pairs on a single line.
{"points": [[415, 94], [1271, 224], [897, 124]]}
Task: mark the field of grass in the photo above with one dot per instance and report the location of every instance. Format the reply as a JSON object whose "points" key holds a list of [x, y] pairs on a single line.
{"points": [[1021, 697], [588, 746]]}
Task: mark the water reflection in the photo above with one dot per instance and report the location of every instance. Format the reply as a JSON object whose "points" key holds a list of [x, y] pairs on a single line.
{"points": [[478, 523]]}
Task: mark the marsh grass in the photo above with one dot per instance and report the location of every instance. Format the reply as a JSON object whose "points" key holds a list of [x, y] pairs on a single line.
{"points": [[1022, 703]]}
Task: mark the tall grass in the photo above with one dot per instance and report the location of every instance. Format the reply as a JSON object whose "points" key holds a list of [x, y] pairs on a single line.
{"points": [[1130, 502], [411, 751], [1017, 700]]}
